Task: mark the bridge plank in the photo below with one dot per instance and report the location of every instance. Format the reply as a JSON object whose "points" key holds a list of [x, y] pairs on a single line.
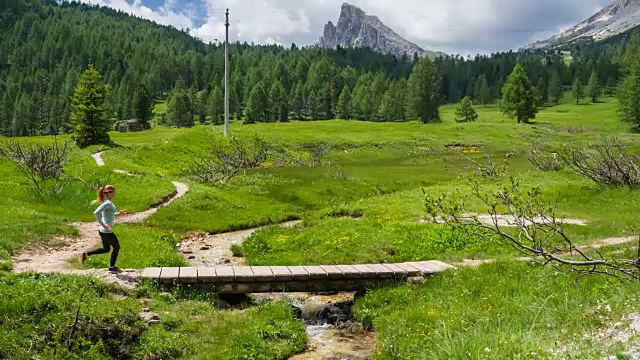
{"points": [[365, 271], [440, 266], [207, 275], [424, 268], [281, 273], [188, 275], [333, 272], [397, 270], [381, 271], [298, 272], [316, 272], [348, 271], [411, 270], [152, 273], [262, 273], [224, 273], [243, 274], [169, 274]]}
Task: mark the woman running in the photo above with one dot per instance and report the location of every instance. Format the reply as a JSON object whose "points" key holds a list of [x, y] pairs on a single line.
{"points": [[105, 215]]}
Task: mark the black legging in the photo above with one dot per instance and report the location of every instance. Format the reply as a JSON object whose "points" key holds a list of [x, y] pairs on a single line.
{"points": [[108, 240]]}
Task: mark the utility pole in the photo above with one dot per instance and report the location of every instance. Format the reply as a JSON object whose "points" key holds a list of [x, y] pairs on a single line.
{"points": [[226, 77]]}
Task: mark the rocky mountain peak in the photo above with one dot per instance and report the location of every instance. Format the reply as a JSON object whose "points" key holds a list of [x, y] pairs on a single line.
{"points": [[357, 29], [616, 18]]}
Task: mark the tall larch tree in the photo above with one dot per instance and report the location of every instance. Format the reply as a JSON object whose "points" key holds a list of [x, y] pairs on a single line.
{"points": [[424, 90], [518, 97], [88, 120], [343, 108]]}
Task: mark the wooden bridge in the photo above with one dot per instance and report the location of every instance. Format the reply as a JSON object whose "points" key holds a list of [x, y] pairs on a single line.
{"points": [[264, 279]]}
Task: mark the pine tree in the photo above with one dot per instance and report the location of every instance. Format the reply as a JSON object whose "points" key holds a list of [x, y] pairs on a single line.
{"points": [[541, 90], [593, 87], [471, 87], [278, 103], [465, 111], [90, 125], [179, 111], [578, 90], [313, 106], [257, 105], [484, 93], [343, 108], [424, 89], [555, 89], [203, 98], [629, 92], [392, 106], [519, 100], [454, 93], [611, 86], [215, 106], [142, 104], [297, 101]]}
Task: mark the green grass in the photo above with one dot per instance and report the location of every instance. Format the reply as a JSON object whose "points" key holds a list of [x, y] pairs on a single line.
{"points": [[364, 206], [352, 241], [191, 330], [503, 310], [38, 323], [142, 247]]}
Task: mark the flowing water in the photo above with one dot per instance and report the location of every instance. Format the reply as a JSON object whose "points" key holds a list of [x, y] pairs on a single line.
{"points": [[331, 330], [332, 333]]}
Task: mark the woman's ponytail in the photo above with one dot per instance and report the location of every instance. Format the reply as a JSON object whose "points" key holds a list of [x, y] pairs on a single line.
{"points": [[100, 198]]}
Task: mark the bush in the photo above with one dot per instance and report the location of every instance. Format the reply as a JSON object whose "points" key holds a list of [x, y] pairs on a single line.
{"points": [[43, 165], [542, 159], [224, 160], [607, 163]]}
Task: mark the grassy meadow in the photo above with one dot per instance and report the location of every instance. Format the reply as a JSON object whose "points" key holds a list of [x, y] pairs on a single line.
{"points": [[364, 205]]}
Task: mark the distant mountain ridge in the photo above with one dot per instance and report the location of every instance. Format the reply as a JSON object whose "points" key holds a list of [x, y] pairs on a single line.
{"points": [[357, 29], [618, 17]]}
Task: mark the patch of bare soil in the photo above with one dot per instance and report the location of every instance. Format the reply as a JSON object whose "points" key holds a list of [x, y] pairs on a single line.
{"points": [[215, 249]]}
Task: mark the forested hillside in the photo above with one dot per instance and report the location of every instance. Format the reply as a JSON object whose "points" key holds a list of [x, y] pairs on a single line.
{"points": [[45, 46]]}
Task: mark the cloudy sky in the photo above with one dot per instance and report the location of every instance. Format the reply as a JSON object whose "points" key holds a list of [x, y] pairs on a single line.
{"points": [[452, 26]]}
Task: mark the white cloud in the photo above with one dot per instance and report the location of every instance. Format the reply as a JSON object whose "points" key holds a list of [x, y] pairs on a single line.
{"points": [[163, 15], [464, 26]]}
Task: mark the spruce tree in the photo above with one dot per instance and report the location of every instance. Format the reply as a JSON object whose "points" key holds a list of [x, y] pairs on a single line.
{"points": [[142, 104], [555, 90], [484, 91], [278, 103], [215, 106], [297, 101], [593, 87], [179, 111], [578, 89], [519, 98], [343, 108], [542, 93], [90, 125], [629, 92], [424, 89], [257, 105], [465, 111], [610, 90]]}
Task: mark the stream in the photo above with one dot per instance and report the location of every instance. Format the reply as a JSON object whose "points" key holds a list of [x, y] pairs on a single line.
{"points": [[331, 330]]}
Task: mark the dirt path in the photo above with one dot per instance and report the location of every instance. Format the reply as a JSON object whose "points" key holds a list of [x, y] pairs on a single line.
{"points": [[596, 245], [98, 158], [57, 260]]}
